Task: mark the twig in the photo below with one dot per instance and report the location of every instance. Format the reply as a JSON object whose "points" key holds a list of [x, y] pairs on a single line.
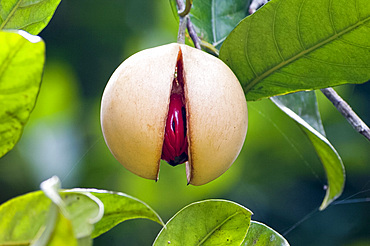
{"points": [[347, 112], [180, 5], [193, 34], [184, 14]]}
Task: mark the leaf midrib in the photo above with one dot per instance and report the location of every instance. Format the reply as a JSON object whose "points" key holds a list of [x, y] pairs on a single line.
{"points": [[302, 53], [10, 14], [217, 227]]}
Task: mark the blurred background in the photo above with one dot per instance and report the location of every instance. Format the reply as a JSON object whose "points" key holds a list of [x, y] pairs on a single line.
{"points": [[277, 175]]}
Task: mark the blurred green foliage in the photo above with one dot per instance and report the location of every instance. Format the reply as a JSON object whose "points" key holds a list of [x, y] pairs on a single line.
{"points": [[277, 176]]}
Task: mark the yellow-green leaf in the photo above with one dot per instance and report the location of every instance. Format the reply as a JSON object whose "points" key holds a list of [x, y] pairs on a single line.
{"points": [[29, 15], [22, 59]]}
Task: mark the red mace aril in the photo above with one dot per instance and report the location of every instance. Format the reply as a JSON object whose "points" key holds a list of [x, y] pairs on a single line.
{"points": [[175, 146], [175, 103]]}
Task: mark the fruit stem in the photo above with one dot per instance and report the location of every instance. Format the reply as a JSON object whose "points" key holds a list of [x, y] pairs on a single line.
{"points": [[182, 29], [185, 23]]}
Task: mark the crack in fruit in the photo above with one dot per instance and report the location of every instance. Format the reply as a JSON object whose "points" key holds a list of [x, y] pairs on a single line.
{"points": [[175, 145], [178, 104]]}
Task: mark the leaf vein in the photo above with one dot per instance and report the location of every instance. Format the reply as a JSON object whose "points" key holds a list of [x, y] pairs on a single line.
{"points": [[274, 32], [298, 26], [330, 11], [301, 76], [10, 56], [335, 64], [217, 227], [354, 44], [246, 48], [32, 23], [31, 4], [357, 11]]}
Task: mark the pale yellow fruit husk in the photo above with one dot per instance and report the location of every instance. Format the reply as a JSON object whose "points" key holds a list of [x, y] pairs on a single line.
{"points": [[218, 116], [134, 109], [135, 106]]}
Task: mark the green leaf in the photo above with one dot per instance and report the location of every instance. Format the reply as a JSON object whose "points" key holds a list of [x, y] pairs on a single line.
{"points": [[210, 222], [173, 5], [83, 208], [57, 231], [294, 45], [213, 20], [262, 235], [63, 233], [31, 16], [22, 59], [305, 105], [34, 218], [119, 207], [23, 218], [302, 107]]}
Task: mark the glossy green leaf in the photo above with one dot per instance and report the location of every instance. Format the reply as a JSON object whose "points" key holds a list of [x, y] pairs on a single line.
{"points": [[210, 222], [31, 16], [22, 218], [294, 45], [302, 107], [305, 105], [57, 231], [63, 233], [213, 20], [34, 218], [21, 64], [262, 235], [76, 214], [119, 207]]}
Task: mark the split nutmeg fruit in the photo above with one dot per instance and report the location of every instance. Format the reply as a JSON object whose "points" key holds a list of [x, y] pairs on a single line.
{"points": [[175, 103]]}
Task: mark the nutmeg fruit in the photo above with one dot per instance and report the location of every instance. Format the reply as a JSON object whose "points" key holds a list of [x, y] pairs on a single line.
{"points": [[176, 103]]}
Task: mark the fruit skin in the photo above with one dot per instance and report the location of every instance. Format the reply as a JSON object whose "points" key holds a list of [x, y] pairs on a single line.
{"points": [[135, 106]]}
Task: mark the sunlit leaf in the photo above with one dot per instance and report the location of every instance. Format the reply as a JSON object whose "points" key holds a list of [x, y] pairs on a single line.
{"points": [[84, 210], [119, 207], [24, 218], [21, 63], [37, 220], [302, 107], [57, 231], [262, 235], [29, 15], [215, 19], [293, 45], [210, 222], [77, 213], [63, 233], [32, 217]]}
